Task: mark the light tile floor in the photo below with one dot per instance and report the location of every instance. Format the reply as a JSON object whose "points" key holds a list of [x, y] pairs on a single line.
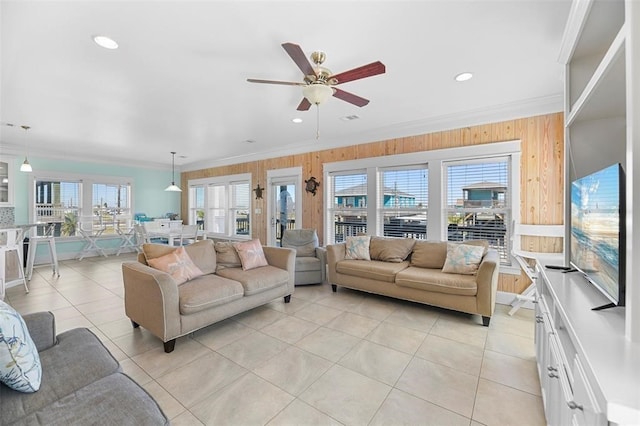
{"points": [[325, 358]]}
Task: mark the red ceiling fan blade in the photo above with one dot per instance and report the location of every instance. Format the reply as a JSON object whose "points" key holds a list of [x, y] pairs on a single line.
{"points": [[304, 105], [369, 70], [286, 83], [299, 58], [350, 97]]}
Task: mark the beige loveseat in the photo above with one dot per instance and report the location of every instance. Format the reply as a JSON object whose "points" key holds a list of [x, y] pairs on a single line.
{"points": [[154, 301], [412, 270]]}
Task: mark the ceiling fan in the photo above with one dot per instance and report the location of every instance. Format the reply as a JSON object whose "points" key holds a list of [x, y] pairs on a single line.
{"points": [[319, 82]]}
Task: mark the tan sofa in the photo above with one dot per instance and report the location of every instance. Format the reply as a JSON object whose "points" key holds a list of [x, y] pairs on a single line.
{"points": [[154, 301], [412, 270]]}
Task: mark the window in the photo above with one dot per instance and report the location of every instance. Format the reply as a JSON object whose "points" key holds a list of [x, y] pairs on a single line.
{"points": [[478, 202], [111, 206], [453, 194], [63, 201], [59, 203], [402, 200], [217, 201], [240, 207], [196, 205], [222, 205], [348, 209]]}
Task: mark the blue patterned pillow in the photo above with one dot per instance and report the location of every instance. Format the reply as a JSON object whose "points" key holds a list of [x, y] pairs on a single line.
{"points": [[463, 259], [20, 367], [357, 248]]}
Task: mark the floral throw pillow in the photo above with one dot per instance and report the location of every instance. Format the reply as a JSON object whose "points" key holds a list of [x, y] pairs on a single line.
{"points": [[178, 264], [20, 367], [251, 254], [463, 259], [357, 248]]}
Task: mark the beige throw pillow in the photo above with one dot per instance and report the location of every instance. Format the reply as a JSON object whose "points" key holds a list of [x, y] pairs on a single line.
{"points": [[251, 254], [178, 264], [227, 256], [393, 250]]}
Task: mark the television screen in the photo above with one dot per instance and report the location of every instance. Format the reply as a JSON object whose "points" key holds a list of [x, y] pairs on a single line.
{"points": [[597, 230]]}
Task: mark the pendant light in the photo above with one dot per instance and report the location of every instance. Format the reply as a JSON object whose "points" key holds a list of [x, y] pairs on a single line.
{"points": [[26, 167], [173, 187]]}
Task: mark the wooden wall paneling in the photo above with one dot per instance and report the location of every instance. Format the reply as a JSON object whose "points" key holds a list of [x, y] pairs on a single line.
{"points": [[541, 180]]}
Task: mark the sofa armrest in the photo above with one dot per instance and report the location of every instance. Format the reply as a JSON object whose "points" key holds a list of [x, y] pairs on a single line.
{"points": [[335, 253], [321, 253], [283, 258], [42, 328], [151, 299], [487, 282]]}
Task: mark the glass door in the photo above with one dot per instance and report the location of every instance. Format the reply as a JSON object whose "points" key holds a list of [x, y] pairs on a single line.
{"points": [[284, 216], [284, 202]]}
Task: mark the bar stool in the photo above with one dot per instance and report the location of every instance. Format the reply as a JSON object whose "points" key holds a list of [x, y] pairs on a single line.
{"points": [[13, 240], [50, 240]]}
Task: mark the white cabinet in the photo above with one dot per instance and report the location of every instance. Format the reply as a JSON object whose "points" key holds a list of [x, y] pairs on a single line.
{"points": [[588, 371]]}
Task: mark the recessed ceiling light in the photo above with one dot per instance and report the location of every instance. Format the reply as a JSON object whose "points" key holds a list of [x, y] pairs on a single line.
{"points": [[297, 120], [464, 76], [105, 42]]}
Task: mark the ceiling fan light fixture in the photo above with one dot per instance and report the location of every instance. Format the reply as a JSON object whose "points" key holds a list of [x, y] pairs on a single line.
{"points": [[317, 93]]}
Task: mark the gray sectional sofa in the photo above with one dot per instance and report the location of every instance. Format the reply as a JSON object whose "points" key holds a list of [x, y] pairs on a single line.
{"points": [[82, 384]]}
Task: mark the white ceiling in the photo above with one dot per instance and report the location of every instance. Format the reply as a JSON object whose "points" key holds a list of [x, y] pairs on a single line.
{"points": [[178, 80]]}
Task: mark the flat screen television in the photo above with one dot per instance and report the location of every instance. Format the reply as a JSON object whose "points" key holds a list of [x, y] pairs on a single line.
{"points": [[598, 231]]}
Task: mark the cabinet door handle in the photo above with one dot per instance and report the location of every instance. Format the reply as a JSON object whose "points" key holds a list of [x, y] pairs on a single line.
{"points": [[574, 406], [553, 375], [551, 368]]}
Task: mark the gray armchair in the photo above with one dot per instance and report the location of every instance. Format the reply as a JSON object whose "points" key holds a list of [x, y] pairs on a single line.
{"points": [[311, 260]]}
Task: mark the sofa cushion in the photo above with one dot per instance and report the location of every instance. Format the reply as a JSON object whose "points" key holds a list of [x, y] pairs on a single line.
{"points": [[178, 264], [390, 249], [226, 256], [112, 400], [429, 254], [203, 254], [207, 291], [78, 359], [437, 281], [373, 269], [357, 248], [20, 367], [257, 280], [463, 259], [304, 264], [433, 254], [251, 254]]}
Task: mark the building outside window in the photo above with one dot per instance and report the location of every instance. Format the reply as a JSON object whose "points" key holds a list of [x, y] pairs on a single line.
{"points": [[478, 202]]}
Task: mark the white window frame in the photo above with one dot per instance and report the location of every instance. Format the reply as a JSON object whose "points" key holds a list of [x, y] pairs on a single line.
{"points": [[226, 181], [332, 209], [436, 219], [86, 190]]}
